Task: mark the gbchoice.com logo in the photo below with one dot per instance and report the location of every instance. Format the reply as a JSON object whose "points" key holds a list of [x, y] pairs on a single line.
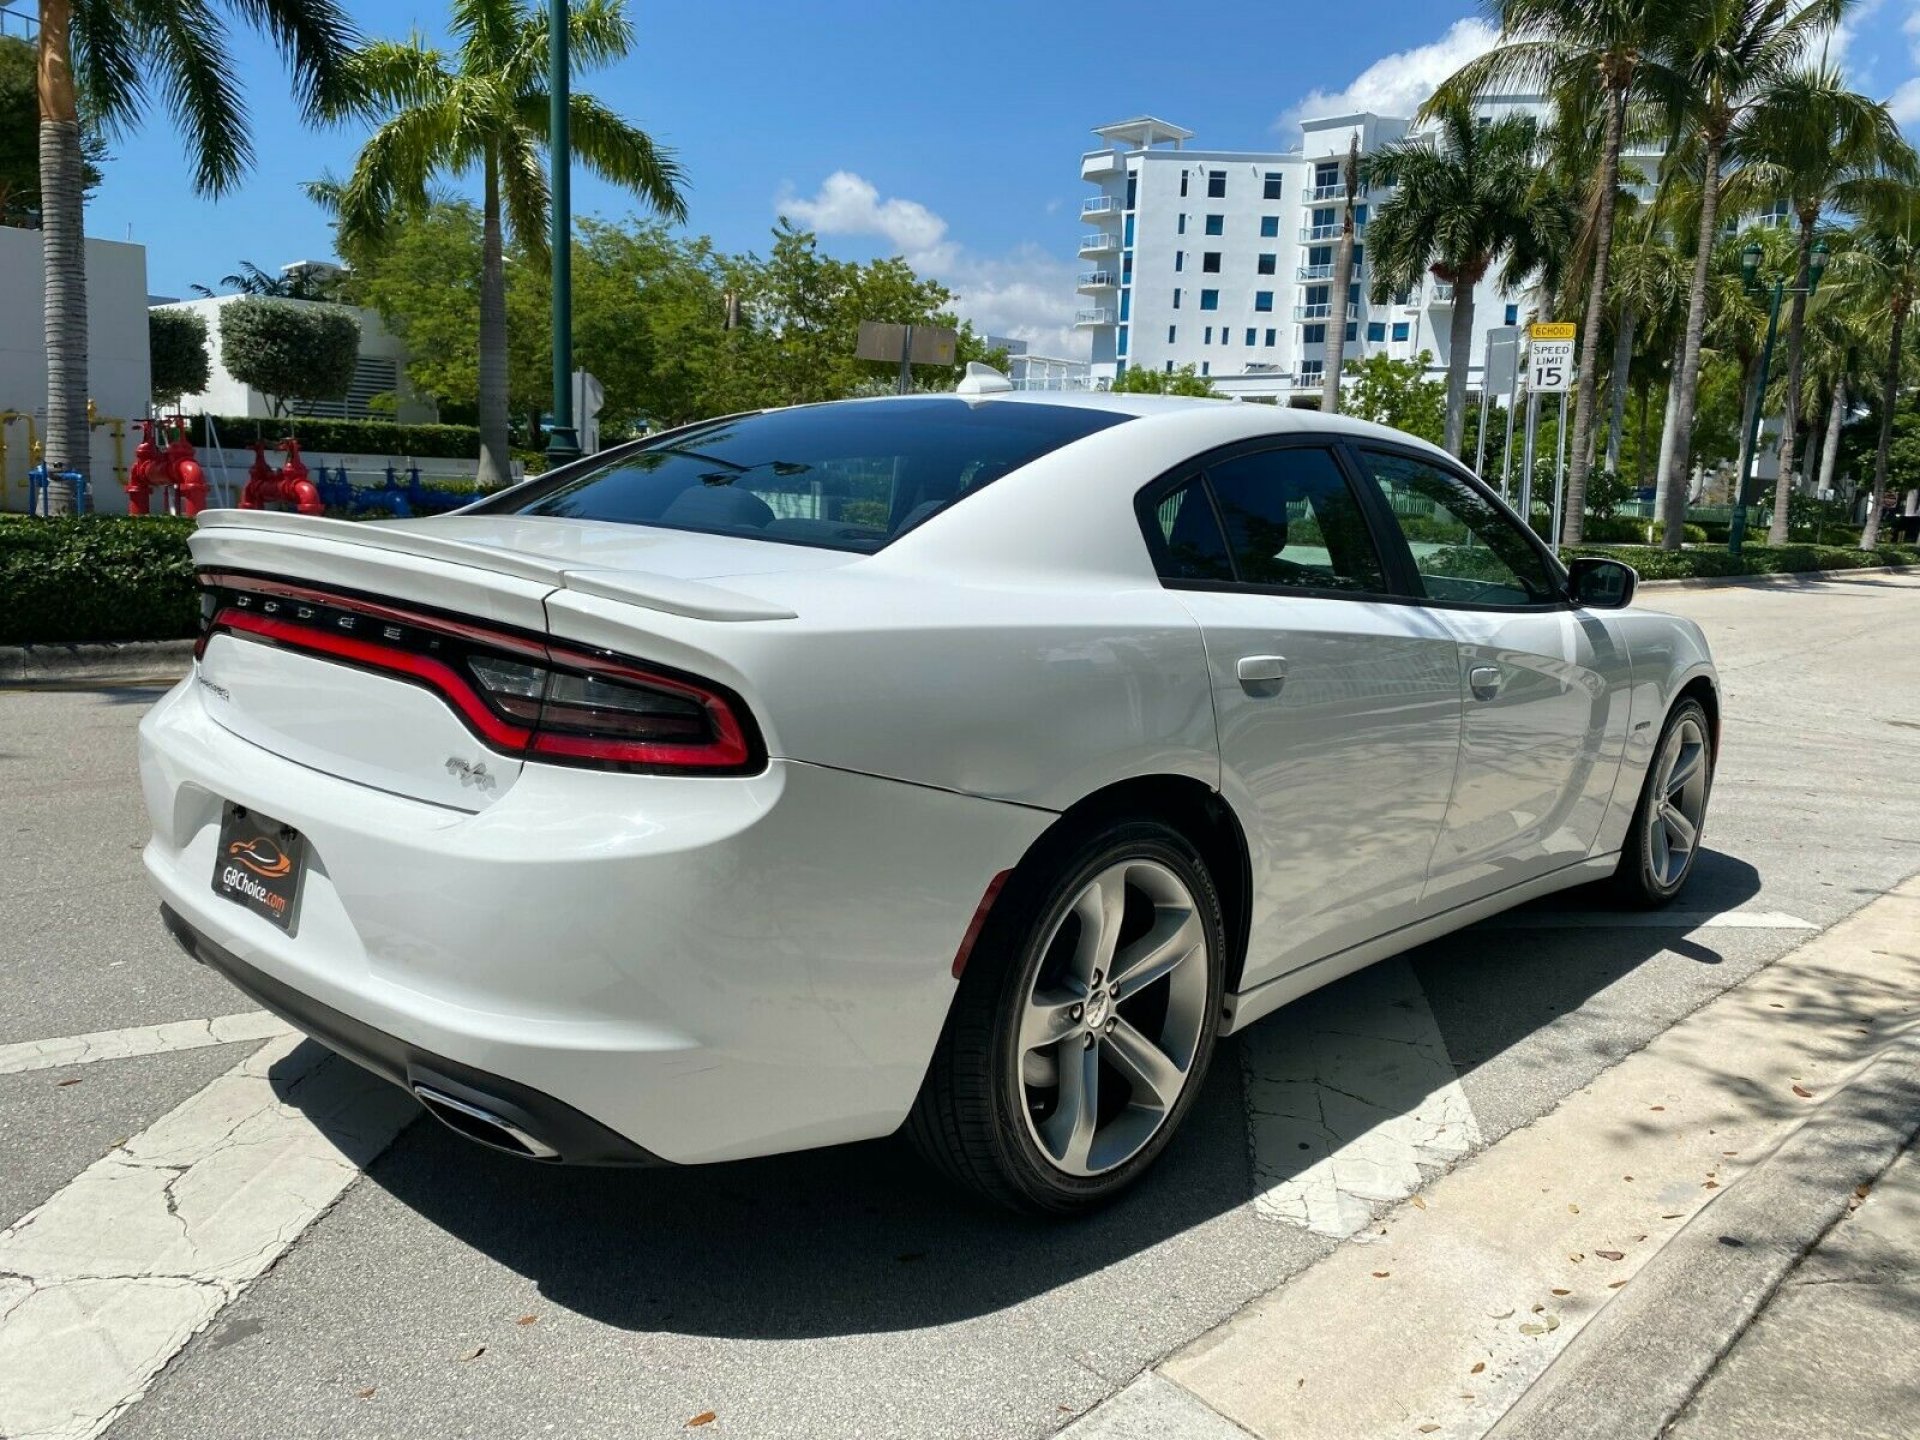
{"points": [[263, 857]]}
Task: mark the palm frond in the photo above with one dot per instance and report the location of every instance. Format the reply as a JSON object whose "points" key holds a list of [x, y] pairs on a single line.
{"points": [[315, 37], [186, 49]]}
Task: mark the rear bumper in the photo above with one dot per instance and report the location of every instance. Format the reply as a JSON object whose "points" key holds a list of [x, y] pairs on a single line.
{"points": [[703, 968]]}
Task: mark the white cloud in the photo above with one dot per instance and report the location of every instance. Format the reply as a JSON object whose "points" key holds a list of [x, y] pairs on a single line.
{"points": [[1398, 84], [1904, 103], [1025, 295]]}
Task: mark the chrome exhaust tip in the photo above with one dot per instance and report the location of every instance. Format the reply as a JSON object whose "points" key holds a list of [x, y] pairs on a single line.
{"points": [[482, 1125]]}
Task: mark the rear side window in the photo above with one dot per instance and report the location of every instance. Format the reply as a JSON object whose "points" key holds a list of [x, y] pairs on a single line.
{"points": [[843, 476], [1280, 518]]}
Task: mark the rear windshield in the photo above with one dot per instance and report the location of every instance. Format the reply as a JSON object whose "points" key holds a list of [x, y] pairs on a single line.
{"points": [[848, 476]]}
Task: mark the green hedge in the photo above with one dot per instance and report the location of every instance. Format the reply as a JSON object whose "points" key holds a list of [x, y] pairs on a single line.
{"points": [[95, 578], [320, 436], [1626, 530], [1657, 564]]}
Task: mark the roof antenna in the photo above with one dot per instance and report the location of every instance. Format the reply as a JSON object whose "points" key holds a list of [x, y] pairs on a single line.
{"points": [[982, 379]]}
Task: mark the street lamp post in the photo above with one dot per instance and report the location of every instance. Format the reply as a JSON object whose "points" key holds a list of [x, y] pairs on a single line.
{"points": [[1750, 258], [563, 442]]}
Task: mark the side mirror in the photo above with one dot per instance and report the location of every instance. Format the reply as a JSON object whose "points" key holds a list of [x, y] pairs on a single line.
{"points": [[1601, 584]]}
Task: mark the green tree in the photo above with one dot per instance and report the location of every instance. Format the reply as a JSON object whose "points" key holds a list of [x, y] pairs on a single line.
{"points": [[293, 352], [121, 53], [485, 107], [1399, 393], [1882, 275], [1466, 198], [1821, 147], [296, 282], [20, 138], [1184, 381], [1725, 59], [177, 352]]}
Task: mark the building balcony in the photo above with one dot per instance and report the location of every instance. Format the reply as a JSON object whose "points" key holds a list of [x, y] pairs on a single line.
{"points": [[1314, 272], [1098, 163], [1098, 315], [1320, 194], [1440, 293], [1312, 312], [1100, 205], [1099, 242], [1098, 280]]}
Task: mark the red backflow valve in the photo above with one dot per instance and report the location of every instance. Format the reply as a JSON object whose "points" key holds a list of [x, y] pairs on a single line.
{"points": [[292, 484], [176, 469]]}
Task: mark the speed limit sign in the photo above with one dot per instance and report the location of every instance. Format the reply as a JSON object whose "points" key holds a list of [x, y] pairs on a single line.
{"points": [[1549, 357]]}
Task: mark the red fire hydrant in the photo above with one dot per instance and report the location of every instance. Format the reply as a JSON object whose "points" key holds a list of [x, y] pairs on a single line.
{"points": [[290, 484], [175, 468]]}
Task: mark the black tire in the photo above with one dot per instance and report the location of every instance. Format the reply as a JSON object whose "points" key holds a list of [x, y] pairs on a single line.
{"points": [[1638, 881], [971, 1118]]}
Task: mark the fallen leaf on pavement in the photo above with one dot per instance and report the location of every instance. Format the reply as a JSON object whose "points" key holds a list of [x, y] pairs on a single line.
{"points": [[366, 1394], [1803, 1092], [1428, 1428], [1576, 1257], [526, 1319], [1615, 1284], [1656, 1107], [1500, 1315], [1626, 1177], [1558, 1291], [705, 1417], [1573, 1209], [1532, 1329], [1537, 1309], [1674, 1216], [1418, 1203], [1381, 1274], [475, 1353], [1611, 1254], [1478, 1366], [62, 1084], [1553, 1323], [1863, 1191], [1711, 1185]]}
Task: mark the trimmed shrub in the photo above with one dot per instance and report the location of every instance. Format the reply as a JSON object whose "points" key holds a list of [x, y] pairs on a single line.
{"points": [[321, 436], [96, 578], [1657, 564], [177, 351], [291, 350]]}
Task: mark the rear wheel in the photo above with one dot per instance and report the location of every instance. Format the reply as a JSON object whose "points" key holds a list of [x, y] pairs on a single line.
{"points": [[1664, 838], [1083, 1025]]}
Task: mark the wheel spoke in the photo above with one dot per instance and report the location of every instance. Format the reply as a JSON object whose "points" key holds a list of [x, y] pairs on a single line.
{"points": [[1157, 1079], [1176, 934], [1100, 907], [1680, 831], [1068, 1133], [1662, 856], [1685, 767], [1047, 1018]]}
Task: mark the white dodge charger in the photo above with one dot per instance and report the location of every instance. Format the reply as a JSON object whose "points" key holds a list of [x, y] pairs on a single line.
{"points": [[968, 763]]}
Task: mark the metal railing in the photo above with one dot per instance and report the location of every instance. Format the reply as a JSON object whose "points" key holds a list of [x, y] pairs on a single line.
{"points": [[1098, 241], [1335, 191], [1440, 293], [1100, 205], [1314, 272], [1097, 280], [1098, 315], [1313, 312]]}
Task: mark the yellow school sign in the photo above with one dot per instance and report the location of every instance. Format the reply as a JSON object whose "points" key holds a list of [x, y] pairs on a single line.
{"points": [[1551, 330]]}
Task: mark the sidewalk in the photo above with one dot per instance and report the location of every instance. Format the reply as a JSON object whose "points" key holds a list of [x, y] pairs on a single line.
{"points": [[1584, 1276]]}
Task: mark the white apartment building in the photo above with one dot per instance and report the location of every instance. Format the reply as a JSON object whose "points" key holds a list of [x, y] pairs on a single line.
{"points": [[1223, 260]]}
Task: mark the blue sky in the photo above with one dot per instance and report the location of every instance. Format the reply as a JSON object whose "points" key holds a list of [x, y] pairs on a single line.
{"points": [[948, 133]]}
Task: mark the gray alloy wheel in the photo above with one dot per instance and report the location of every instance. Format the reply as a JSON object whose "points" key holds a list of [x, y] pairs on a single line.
{"points": [[1665, 838], [1084, 1022]]}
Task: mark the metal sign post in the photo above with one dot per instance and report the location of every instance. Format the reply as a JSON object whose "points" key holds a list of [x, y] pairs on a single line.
{"points": [[1497, 374], [1526, 457], [1559, 473], [1549, 369]]}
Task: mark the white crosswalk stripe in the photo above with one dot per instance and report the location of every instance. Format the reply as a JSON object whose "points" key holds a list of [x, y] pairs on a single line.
{"points": [[135, 1040]]}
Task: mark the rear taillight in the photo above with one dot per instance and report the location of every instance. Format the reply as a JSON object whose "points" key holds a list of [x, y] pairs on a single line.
{"points": [[521, 694]]}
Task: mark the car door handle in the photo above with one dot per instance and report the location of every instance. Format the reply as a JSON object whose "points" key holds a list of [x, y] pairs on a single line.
{"points": [[1484, 681], [1265, 673]]}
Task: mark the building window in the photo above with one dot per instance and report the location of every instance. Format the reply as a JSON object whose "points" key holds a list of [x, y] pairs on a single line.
{"points": [[1126, 268], [1210, 262], [1179, 261], [1183, 184], [1176, 297], [1353, 296], [1180, 228], [1311, 371], [1313, 334], [1263, 300], [1216, 184], [1513, 314], [1270, 187], [1251, 333], [1206, 367], [1128, 241], [1268, 263], [1376, 331], [1209, 337], [1216, 224], [1269, 227], [1125, 296], [1403, 297], [1352, 329], [1320, 255], [1326, 173], [1209, 299], [1122, 348], [1359, 215], [1169, 367], [1323, 218], [1319, 294], [1400, 330], [1170, 334], [1273, 338], [1133, 188]]}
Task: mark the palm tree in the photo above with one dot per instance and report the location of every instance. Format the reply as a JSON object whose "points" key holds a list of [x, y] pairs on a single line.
{"points": [[1467, 197], [1336, 351], [296, 282], [1820, 146], [1577, 52], [484, 106], [118, 54], [1726, 58], [1884, 263], [1645, 286], [1737, 322]]}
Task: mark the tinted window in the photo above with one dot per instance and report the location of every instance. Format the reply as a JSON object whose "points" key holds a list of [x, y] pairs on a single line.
{"points": [[846, 476], [1191, 546], [1292, 520], [1464, 548]]}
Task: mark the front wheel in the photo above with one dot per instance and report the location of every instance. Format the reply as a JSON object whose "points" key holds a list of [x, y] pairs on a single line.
{"points": [[1664, 839], [1083, 1025]]}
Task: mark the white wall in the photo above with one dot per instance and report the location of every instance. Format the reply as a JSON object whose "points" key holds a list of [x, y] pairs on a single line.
{"points": [[117, 365]]}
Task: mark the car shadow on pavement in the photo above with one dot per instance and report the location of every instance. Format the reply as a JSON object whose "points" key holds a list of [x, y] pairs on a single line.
{"points": [[863, 1239]]}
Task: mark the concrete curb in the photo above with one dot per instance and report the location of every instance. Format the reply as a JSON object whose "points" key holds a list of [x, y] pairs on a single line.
{"points": [[104, 664], [1782, 577], [1633, 1367]]}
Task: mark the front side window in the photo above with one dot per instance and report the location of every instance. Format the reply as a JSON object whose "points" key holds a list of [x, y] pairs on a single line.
{"points": [[844, 477], [1288, 518], [1465, 550]]}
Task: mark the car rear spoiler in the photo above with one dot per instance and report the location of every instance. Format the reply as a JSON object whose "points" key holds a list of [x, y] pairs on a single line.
{"points": [[666, 593]]}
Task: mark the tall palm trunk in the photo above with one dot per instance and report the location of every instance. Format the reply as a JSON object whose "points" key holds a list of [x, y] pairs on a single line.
{"points": [[1673, 473], [1796, 335], [1623, 331], [1587, 381], [1669, 419], [63, 246], [1889, 397], [1459, 353], [1830, 459], [496, 461], [1750, 389], [1336, 347], [1645, 396], [1817, 436]]}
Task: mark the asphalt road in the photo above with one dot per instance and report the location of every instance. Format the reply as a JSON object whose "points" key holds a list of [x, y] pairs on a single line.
{"points": [[845, 1293]]}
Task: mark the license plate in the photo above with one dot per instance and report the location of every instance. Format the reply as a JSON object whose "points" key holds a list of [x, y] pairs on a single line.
{"points": [[259, 864]]}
